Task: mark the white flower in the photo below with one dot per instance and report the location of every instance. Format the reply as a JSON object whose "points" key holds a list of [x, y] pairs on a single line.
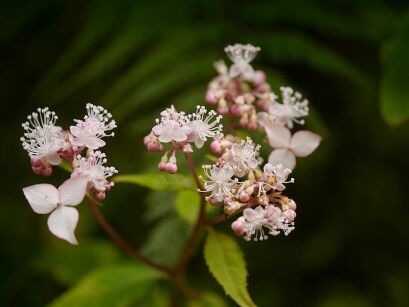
{"points": [[243, 157], [93, 168], [45, 198], [96, 123], [173, 126], [42, 139], [292, 108], [203, 127], [280, 174], [255, 221], [287, 147], [220, 183], [241, 56]]}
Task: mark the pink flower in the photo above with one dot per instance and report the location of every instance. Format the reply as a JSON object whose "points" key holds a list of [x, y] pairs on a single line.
{"points": [[45, 198], [288, 147], [173, 126]]}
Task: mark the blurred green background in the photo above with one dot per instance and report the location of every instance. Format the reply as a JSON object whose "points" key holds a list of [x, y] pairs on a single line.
{"points": [[349, 58]]}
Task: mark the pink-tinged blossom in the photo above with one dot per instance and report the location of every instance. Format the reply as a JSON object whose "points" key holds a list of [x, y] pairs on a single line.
{"points": [[203, 125], [172, 126], [93, 168], [45, 198], [241, 56], [219, 184], [279, 173], [90, 131], [42, 138], [257, 223], [288, 147], [243, 157], [290, 111]]}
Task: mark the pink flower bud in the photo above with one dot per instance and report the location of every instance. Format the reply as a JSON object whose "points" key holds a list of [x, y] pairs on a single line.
{"points": [[236, 110], [35, 162], [291, 204], [154, 146], [213, 201], [162, 166], [289, 215], [100, 196], [223, 110], [47, 171], [244, 197], [147, 140], [244, 120], [238, 227], [211, 97], [259, 77], [171, 167], [38, 170], [216, 147], [252, 126]]}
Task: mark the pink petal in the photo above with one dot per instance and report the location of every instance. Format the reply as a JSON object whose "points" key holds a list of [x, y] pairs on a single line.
{"points": [[93, 142], [282, 156], [43, 198], [53, 158], [75, 131], [303, 143], [62, 223], [278, 136], [72, 191]]}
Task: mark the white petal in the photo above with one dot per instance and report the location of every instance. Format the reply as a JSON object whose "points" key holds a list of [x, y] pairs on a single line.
{"points": [[43, 198], [62, 223], [53, 158], [72, 191], [282, 156], [235, 70], [93, 142], [278, 136], [303, 143], [75, 131]]}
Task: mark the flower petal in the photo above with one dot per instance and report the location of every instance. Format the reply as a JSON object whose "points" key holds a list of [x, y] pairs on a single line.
{"points": [[282, 156], [53, 158], [43, 198], [62, 223], [303, 143], [93, 142], [75, 131], [72, 191], [278, 136]]}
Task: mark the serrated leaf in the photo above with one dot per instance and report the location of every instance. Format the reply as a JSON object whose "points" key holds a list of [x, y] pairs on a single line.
{"points": [[226, 262], [67, 264], [187, 205], [119, 285], [394, 83], [158, 181]]}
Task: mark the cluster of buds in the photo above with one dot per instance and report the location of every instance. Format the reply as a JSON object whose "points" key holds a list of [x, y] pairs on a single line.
{"points": [[47, 145], [180, 130], [237, 181], [242, 92]]}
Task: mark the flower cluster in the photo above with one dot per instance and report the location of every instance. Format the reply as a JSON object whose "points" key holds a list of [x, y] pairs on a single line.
{"points": [[243, 93], [237, 181], [48, 145], [180, 130]]}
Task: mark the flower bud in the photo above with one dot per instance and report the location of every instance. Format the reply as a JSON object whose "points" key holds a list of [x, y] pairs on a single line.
{"points": [[171, 167], [47, 171], [291, 204], [211, 97], [216, 147], [244, 197], [162, 166], [236, 110], [35, 162], [289, 215], [100, 196], [213, 201], [259, 77], [238, 227]]}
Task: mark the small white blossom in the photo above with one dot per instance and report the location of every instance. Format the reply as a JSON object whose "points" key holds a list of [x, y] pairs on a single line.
{"points": [[241, 56], [203, 127], [243, 157], [96, 123], [280, 174], [255, 221], [293, 107], [45, 198], [42, 138], [93, 168], [220, 183], [172, 126]]}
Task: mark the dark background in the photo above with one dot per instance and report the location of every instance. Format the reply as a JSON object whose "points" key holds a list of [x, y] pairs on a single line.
{"points": [[350, 246]]}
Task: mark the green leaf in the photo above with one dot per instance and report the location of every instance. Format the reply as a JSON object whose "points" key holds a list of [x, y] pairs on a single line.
{"points": [[207, 299], [67, 264], [187, 205], [226, 262], [119, 285], [395, 80], [158, 181]]}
